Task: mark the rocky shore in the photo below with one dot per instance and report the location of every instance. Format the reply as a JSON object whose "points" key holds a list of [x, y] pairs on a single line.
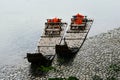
{"points": [[94, 58]]}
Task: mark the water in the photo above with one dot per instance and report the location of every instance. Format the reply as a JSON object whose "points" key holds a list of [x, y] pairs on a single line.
{"points": [[22, 22]]}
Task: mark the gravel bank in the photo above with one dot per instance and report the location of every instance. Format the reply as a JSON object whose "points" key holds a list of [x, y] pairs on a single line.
{"points": [[94, 58]]}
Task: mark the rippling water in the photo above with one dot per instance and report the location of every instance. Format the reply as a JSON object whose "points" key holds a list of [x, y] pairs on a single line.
{"points": [[22, 22]]}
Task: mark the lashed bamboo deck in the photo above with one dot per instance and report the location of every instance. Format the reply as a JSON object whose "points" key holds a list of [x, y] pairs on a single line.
{"points": [[74, 38], [46, 44]]}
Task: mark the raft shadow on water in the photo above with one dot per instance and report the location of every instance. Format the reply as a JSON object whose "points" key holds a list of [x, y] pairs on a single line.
{"points": [[35, 71], [67, 60], [66, 56], [40, 64]]}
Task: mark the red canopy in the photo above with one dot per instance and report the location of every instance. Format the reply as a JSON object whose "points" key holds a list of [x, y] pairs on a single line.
{"points": [[49, 20], [79, 15], [55, 19], [78, 21], [78, 18]]}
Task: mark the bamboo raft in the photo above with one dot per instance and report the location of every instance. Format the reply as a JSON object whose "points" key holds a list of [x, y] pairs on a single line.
{"points": [[57, 40], [74, 38], [52, 35]]}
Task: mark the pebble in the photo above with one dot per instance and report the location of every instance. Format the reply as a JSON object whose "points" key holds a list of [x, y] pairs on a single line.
{"points": [[93, 58]]}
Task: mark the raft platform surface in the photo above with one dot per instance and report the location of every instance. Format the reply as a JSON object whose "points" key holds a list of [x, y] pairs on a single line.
{"points": [[46, 44], [75, 38]]}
